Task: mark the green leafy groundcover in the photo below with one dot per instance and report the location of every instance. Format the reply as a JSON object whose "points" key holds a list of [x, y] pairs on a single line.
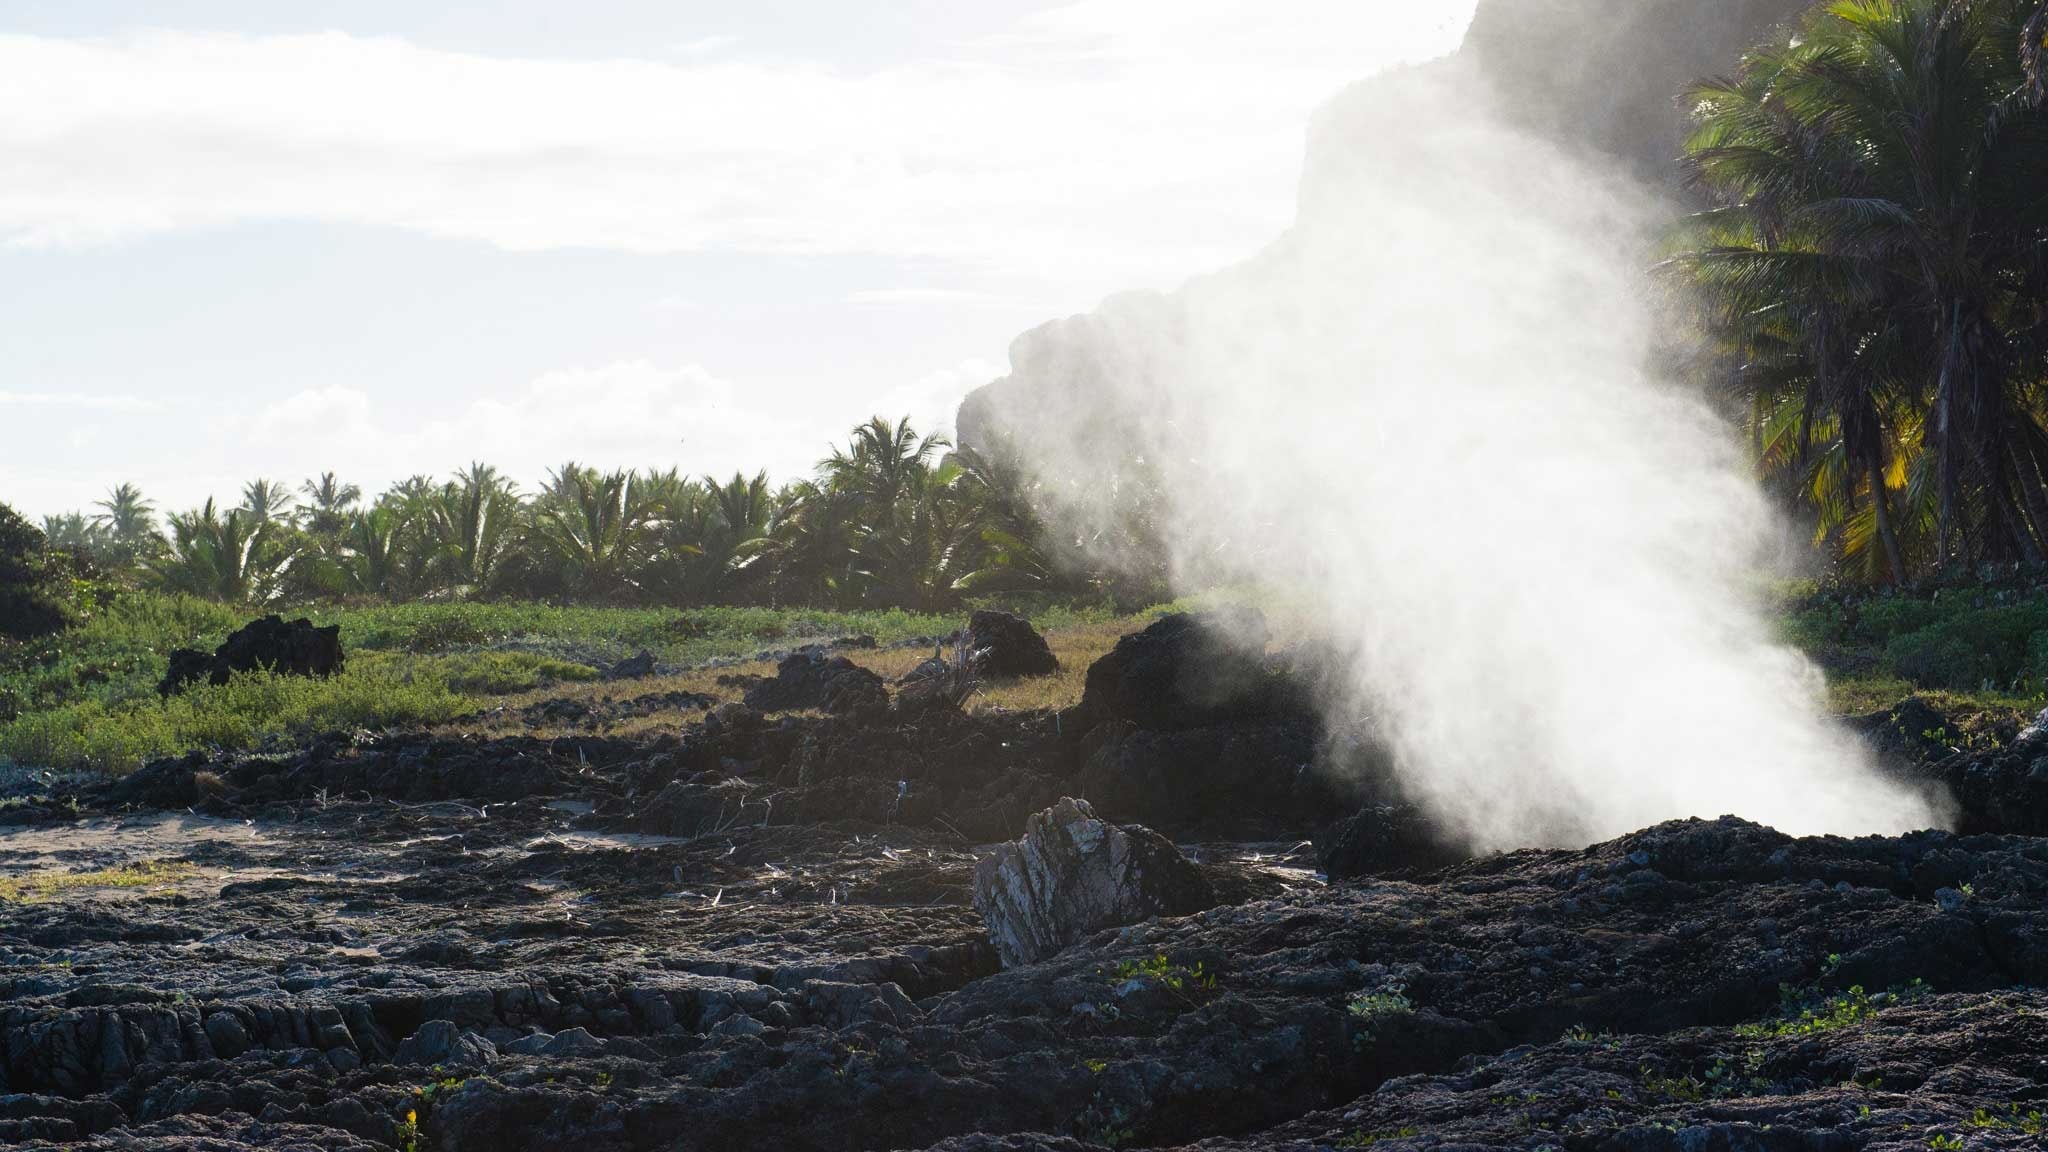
{"points": [[87, 697]]}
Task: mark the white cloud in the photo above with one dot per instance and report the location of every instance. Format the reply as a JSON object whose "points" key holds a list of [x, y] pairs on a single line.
{"points": [[316, 416], [932, 399], [630, 414], [114, 403], [1106, 142], [925, 296]]}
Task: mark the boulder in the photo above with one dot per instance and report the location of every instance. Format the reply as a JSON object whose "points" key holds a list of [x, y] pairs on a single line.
{"points": [[812, 678], [1072, 875], [288, 648], [632, 668], [1001, 644], [1189, 671], [443, 1042], [1385, 839]]}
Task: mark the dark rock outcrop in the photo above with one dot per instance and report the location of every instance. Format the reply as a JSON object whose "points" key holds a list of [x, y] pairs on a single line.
{"points": [[270, 643], [1386, 839], [1191, 671], [637, 667], [1000, 644], [1072, 875], [812, 678], [1249, 781]]}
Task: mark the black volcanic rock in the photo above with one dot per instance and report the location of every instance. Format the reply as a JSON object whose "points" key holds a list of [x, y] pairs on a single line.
{"points": [[270, 643], [1191, 671], [1000, 644], [813, 678]]}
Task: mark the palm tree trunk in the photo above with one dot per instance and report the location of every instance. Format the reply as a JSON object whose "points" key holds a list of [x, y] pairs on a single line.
{"points": [[1879, 507]]}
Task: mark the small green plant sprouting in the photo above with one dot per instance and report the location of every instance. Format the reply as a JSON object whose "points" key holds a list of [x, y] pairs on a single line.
{"points": [[1381, 1004], [1095, 1067], [1376, 1009], [1160, 970], [1946, 1141], [1834, 1012], [409, 1131], [2030, 1123], [1685, 1088], [441, 1087], [604, 1080]]}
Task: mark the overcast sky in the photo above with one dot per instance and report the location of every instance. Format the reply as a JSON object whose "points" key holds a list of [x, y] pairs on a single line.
{"points": [[274, 237]]}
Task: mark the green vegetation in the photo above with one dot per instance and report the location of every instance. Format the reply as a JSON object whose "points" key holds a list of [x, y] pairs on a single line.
{"points": [[1870, 278], [1167, 974], [1971, 649], [892, 519], [1831, 1013], [1380, 1005], [41, 885], [86, 697]]}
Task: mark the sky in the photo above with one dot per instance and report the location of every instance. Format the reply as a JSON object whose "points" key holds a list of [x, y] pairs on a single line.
{"points": [[245, 238]]}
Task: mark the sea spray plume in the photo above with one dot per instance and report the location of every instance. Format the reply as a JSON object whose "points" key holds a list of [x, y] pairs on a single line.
{"points": [[1426, 412]]}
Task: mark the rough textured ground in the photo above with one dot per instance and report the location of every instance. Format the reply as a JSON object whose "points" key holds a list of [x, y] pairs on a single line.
{"points": [[757, 933]]}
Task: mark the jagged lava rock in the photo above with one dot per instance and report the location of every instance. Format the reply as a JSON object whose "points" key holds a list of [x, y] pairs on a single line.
{"points": [[1001, 644], [812, 678], [290, 648], [1072, 875]]}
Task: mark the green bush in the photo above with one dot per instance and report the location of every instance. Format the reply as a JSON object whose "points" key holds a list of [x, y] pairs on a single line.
{"points": [[237, 715], [1881, 620], [1972, 649]]}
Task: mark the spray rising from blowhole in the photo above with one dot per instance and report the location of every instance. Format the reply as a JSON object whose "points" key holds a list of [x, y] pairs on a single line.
{"points": [[1426, 414]]}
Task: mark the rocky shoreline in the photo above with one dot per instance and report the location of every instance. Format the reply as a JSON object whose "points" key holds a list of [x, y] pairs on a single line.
{"points": [[762, 931]]}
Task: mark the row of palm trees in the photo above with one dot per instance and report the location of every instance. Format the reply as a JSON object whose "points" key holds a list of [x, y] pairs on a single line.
{"points": [[892, 518], [1873, 275]]}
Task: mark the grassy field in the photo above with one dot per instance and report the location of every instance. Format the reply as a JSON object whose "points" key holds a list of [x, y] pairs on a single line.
{"points": [[88, 699]]}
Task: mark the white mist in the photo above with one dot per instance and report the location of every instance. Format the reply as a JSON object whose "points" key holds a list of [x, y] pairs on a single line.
{"points": [[1427, 412]]}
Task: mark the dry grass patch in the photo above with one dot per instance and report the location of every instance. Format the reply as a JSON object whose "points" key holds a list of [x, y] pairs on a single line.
{"points": [[1076, 646], [45, 885]]}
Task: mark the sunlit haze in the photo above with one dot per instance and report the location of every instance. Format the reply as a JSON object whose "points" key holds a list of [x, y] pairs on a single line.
{"points": [[243, 241]]}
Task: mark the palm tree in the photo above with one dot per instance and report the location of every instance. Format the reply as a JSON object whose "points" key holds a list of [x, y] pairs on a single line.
{"points": [[1012, 554], [266, 501], [600, 527], [329, 503], [471, 520], [370, 560], [129, 524], [75, 532], [1873, 265], [230, 558], [806, 554]]}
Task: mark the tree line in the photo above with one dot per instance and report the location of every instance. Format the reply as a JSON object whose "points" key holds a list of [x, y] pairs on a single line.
{"points": [[1871, 276], [892, 518]]}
